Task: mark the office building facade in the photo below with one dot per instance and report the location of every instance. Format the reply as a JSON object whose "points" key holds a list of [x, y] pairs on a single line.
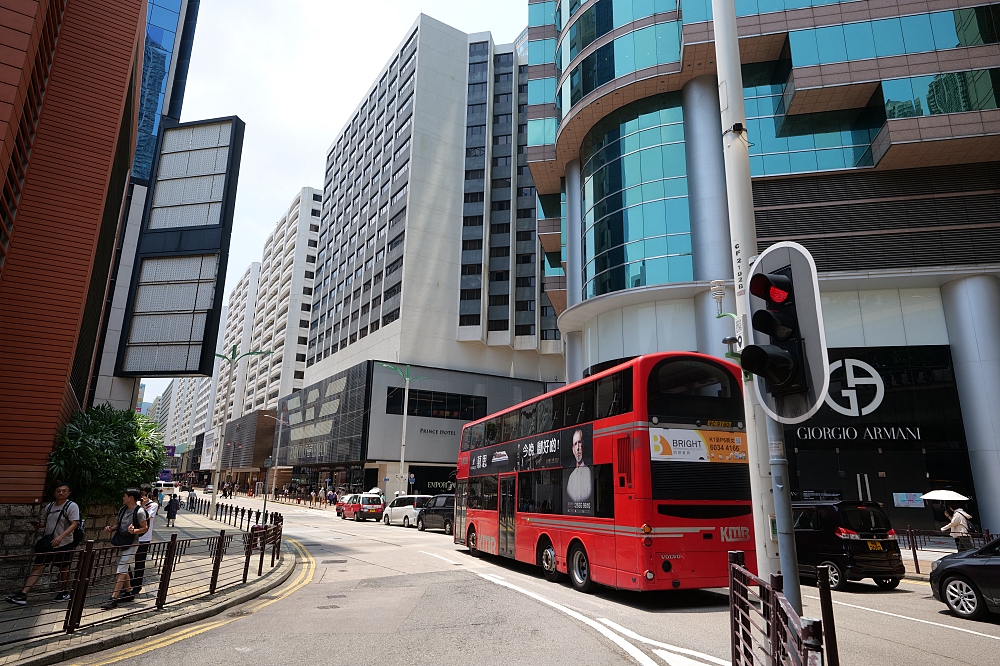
{"points": [[73, 70], [230, 397], [873, 132]]}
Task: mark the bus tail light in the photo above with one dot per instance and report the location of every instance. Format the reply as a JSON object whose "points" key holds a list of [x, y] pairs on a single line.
{"points": [[647, 542], [649, 575], [844, 533], [646, 529]]}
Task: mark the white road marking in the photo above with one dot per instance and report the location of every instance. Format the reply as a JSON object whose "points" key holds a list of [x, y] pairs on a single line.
{"points": [[634, 652], [676, 659], [913, 619], [649, 641], [441, 558]]}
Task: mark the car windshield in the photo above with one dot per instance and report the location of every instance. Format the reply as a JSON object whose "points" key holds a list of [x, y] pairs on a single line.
{"points": [[864, 519], [371, 500]]}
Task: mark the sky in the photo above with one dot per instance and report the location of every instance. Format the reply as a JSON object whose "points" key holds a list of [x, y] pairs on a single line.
{"points": [[294, 71]]}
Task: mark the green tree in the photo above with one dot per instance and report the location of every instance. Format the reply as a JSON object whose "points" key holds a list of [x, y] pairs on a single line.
{"points": [[103, 450]]}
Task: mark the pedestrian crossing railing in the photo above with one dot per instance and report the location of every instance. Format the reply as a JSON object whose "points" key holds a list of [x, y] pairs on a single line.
{"points": [[766, 630], [75, 592]]}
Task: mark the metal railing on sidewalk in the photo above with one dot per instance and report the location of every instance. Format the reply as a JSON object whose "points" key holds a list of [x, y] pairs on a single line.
{"points": [[766, 630], [937, 540], [171, 572]]}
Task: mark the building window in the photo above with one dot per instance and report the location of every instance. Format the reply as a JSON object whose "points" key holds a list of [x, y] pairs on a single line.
{"points": [[478, 48], [475, 152], [476, 109], [499, 276], [302, 340], [474, 197], [498, 325], [472, 269], [503, 59], [300, 357], [502, 251], [435, 404], [474, 244], [503, 228], [311, 243], [475, 174], [314, 212], [526, 191], [476, 130], [479, 68], [526, 258], [499, 205], [310, 259], [471, 295], [393, 290], [477, 89], [468, 320], [472, 221], [550, 334], [526, 282], [502, 119], [501, 161], [524, 306], [499, 299], [501, 140], [503, 78], [525, 213], [500, 183], [525, 235], [524, 329], [391, 317]]}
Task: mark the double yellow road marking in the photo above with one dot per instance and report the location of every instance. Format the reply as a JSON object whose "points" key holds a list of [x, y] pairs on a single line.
{"points": [[304, 577]]}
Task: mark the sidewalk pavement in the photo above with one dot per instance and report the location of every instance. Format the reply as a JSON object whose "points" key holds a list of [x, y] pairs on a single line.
{"points": [[148, 621]]}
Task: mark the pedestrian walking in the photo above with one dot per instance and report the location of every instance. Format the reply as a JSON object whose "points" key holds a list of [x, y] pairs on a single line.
{"points": [[60, 520], [132, 523], [191, 499], [142, 549], [958, 527], [172, 508]]}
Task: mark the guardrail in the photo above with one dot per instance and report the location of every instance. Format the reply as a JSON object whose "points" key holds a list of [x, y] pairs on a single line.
{"points": [[936, 540], [766, 629], [173, 572]]}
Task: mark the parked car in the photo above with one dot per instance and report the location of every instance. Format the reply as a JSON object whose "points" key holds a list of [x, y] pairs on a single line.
{"points": [[339, 506], [437, 513], [363, 507], [208, 490], [969, 582], [403, 510], [853, 539]]}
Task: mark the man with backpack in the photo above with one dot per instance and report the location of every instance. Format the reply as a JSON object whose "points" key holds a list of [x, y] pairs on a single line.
{"points": [[139, 571], [61, 518], [132, 523]]}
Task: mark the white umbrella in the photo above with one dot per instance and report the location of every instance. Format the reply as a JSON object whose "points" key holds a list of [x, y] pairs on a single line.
{"points": [[376, 490], [945, 495]]}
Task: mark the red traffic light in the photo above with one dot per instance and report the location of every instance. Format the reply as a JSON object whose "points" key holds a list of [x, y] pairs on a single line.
{"points": [[772, 287]]}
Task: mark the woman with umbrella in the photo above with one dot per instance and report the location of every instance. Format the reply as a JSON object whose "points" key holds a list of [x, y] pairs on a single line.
{"points": [[958, 519]]}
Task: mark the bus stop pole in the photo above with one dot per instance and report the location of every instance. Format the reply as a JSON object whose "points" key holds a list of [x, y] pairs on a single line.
{"points": [[743, 239], [787, 555]]}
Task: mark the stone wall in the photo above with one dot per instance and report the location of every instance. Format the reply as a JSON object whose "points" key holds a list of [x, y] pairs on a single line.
{"points": [[18, 537]]}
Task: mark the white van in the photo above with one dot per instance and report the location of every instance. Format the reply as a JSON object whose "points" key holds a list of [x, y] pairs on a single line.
{"points": [[165, 487]]}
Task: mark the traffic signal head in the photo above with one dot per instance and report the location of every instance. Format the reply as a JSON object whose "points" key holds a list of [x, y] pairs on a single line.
{"points": [[791, 361]]}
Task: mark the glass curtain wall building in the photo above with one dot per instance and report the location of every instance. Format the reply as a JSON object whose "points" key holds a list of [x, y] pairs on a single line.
{"points": [[873, 142]]}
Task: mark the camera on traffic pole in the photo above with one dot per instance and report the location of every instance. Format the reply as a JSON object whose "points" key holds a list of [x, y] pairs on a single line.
{"points": [[788, 342]]}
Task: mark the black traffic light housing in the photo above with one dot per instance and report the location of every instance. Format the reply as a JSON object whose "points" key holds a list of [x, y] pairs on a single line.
{"points": [[781, 363]]}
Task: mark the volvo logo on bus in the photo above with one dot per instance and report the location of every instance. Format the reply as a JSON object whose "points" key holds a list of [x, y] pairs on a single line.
{"points": [[734, 534], [852, 381]]}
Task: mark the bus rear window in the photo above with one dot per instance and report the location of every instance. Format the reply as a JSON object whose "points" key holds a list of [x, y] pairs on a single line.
{"points": [[686, 390]]}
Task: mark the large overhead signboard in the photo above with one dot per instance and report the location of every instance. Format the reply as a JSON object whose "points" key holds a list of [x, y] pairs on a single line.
{"points": [[172, 320]]}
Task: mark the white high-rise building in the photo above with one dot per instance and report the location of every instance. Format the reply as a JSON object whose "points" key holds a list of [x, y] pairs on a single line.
{"points": [[284, 297], [237, 333]]}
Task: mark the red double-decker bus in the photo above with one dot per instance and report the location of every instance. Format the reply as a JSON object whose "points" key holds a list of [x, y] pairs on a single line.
{"points": [[635, 478]]}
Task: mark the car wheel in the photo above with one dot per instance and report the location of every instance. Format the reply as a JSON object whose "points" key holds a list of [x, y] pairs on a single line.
{"points": [[887, 583], [447, 527], [385, 519], [420, 524], [579, 568], [547, 561], [838, 581], [343, 516], [963, 598], [470, 542], [406, 521], [357, 517]]}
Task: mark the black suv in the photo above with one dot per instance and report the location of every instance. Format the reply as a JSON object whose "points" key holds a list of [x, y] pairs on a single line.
{"points": [[437, 513], [854, 539], [969, 582]]}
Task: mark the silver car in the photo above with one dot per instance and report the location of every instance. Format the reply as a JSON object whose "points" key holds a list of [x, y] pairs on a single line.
{"points": [[403, 509]]}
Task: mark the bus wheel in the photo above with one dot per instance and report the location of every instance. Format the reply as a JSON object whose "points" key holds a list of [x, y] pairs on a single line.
{"points": [[547, 561], [579, 568], [470, 542]]}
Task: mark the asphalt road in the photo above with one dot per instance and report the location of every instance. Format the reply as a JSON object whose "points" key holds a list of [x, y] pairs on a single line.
{"points": [[371, 594]]}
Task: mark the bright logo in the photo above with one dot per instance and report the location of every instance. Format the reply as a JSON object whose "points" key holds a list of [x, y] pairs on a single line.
{"points": [[851, 393], [661, 446]]}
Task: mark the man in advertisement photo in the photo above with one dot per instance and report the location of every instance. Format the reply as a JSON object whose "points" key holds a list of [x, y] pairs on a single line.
{"points": [[580, 482]]}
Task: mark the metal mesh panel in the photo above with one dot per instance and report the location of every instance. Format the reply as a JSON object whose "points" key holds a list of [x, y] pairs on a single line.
{"points": [[193, 163], [195, 137], [167, 328], [199, 189], [197, 215]]}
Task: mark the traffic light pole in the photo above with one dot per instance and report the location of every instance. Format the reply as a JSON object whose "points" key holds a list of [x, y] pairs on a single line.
{"points": [[788, 556], [743, 236]]}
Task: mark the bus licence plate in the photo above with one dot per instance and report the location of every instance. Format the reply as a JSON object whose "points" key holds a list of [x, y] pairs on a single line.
{"points": [[874, 545]]}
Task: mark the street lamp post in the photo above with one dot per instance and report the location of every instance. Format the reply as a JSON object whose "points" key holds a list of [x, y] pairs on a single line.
{"points": [[401, 477], [234, 358]]}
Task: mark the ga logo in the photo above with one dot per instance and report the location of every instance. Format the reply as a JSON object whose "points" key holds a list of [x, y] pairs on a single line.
{"points": [[661, 446]]}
